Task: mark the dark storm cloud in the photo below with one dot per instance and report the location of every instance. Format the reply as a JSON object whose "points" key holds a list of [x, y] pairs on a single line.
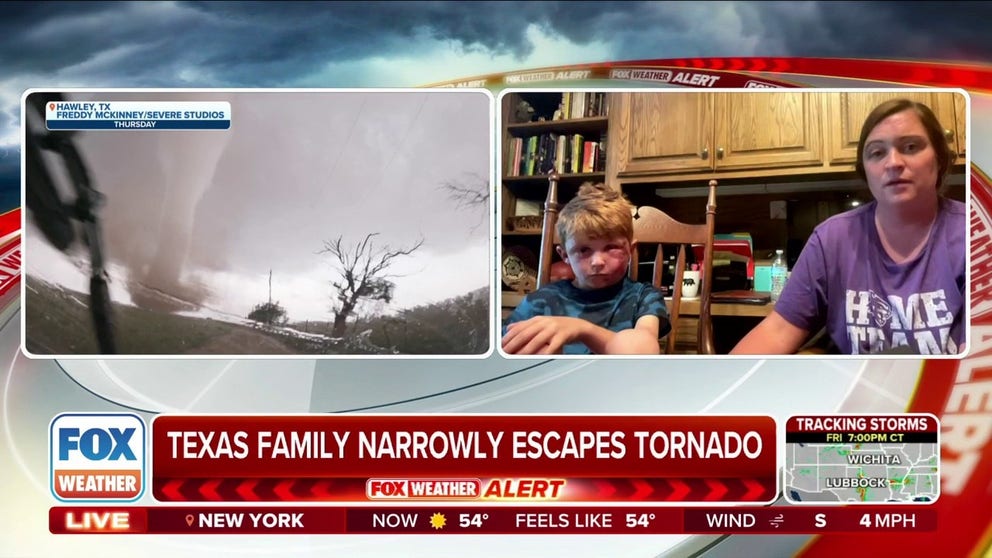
{"points": [[24, 45], [49, 40], [232, 43], [919, 30], [10, 167], [356, 29], [10, 179]]}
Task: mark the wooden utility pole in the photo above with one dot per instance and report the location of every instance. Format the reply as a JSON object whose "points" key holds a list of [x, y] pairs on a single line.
{"points": [[270, 288]]}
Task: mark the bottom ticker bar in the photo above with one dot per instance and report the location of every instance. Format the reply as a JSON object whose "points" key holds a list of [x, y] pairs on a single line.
{"points": [[497, 520]]}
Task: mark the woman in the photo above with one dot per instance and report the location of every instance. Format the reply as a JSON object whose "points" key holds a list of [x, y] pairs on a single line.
{"points": [[888, 276]]}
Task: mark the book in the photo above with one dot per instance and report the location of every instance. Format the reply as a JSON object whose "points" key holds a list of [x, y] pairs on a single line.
{"points": [[560, 145], [578, 104], [601, 160], [542, 147], [524, 207], [518, 145], [576, 159], [531, 156], [588, 156], [547, 160]]}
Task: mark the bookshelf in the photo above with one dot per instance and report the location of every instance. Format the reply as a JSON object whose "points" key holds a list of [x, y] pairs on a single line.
{"points": [[563, 131]]}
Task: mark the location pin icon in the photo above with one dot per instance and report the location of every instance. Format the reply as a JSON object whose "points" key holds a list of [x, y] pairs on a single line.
{"points": [[189, 520], [51, 106]]}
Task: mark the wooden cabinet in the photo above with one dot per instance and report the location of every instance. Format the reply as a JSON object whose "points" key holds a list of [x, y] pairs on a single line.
{"points": [[662, 133], [961, 125], [846, 113], [764, 131]]}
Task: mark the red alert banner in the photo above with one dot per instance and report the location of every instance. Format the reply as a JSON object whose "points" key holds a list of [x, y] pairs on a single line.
{"points": [[740, 72], [10, 251], [464, 457]]}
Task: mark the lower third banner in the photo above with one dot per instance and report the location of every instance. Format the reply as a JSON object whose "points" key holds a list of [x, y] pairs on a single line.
{"points": [[464, 458]]}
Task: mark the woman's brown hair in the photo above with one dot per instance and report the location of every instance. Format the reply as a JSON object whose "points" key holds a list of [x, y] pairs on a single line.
{"points": [[935, 134]]}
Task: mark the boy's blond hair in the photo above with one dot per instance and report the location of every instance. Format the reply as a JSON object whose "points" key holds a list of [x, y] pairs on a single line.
{"points": [[597, 211]]}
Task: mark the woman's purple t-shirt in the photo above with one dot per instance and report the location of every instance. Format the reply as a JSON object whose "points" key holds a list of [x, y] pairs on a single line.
{"points": [[846, 281]]}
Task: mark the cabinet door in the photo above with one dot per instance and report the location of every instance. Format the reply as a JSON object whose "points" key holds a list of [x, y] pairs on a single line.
{"points": [[961, 122], [661, 132], [846, 113], [767, 130]]}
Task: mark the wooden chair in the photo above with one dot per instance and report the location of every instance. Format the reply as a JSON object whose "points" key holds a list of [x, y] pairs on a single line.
{"points": [[653, 226], [549, 233]]}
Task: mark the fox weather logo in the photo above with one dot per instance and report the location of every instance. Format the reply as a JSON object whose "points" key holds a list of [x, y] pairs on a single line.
{"points": [[97, 457]]}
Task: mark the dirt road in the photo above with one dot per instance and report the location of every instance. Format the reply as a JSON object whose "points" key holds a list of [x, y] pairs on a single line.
{"points": [[242, 341]]}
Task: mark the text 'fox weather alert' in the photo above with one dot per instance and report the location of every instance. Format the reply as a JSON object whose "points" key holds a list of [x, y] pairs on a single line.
{"points": [[97, 457]]}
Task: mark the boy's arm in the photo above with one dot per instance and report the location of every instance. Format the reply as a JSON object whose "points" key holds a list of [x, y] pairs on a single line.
{"points": [[547, 335], [524, 311], [642, 339], [653, 322]]}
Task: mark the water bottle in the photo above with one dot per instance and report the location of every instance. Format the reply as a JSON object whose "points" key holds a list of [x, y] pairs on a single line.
{"points": [[779, 274]]}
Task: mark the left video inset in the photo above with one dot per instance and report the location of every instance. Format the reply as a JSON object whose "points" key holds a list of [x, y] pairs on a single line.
{"points": [[311, 223]]}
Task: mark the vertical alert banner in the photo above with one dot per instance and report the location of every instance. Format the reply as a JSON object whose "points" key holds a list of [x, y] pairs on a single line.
{"points": [[959, 393]]}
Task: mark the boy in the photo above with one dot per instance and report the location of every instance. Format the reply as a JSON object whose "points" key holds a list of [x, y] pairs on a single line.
{"points": [[601, 311]]}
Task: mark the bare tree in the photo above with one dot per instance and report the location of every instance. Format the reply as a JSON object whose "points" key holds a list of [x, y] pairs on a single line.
{"points": [[471, 192], [364, 275]]}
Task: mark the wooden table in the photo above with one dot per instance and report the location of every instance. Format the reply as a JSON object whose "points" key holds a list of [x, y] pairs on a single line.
{"points": [[690, 307]]}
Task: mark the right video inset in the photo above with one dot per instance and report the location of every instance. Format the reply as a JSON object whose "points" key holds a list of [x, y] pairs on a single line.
{"points": [[734, 222]]}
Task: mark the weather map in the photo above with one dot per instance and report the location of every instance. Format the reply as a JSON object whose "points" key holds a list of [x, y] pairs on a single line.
{"points": [[862, 472], [862, 460]]}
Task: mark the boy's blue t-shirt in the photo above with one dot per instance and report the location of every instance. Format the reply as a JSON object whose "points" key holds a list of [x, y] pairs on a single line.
{"points": [[615, 308]]}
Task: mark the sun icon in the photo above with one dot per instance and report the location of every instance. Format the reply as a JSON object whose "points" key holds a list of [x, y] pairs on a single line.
{"points": [[438, 521]]}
